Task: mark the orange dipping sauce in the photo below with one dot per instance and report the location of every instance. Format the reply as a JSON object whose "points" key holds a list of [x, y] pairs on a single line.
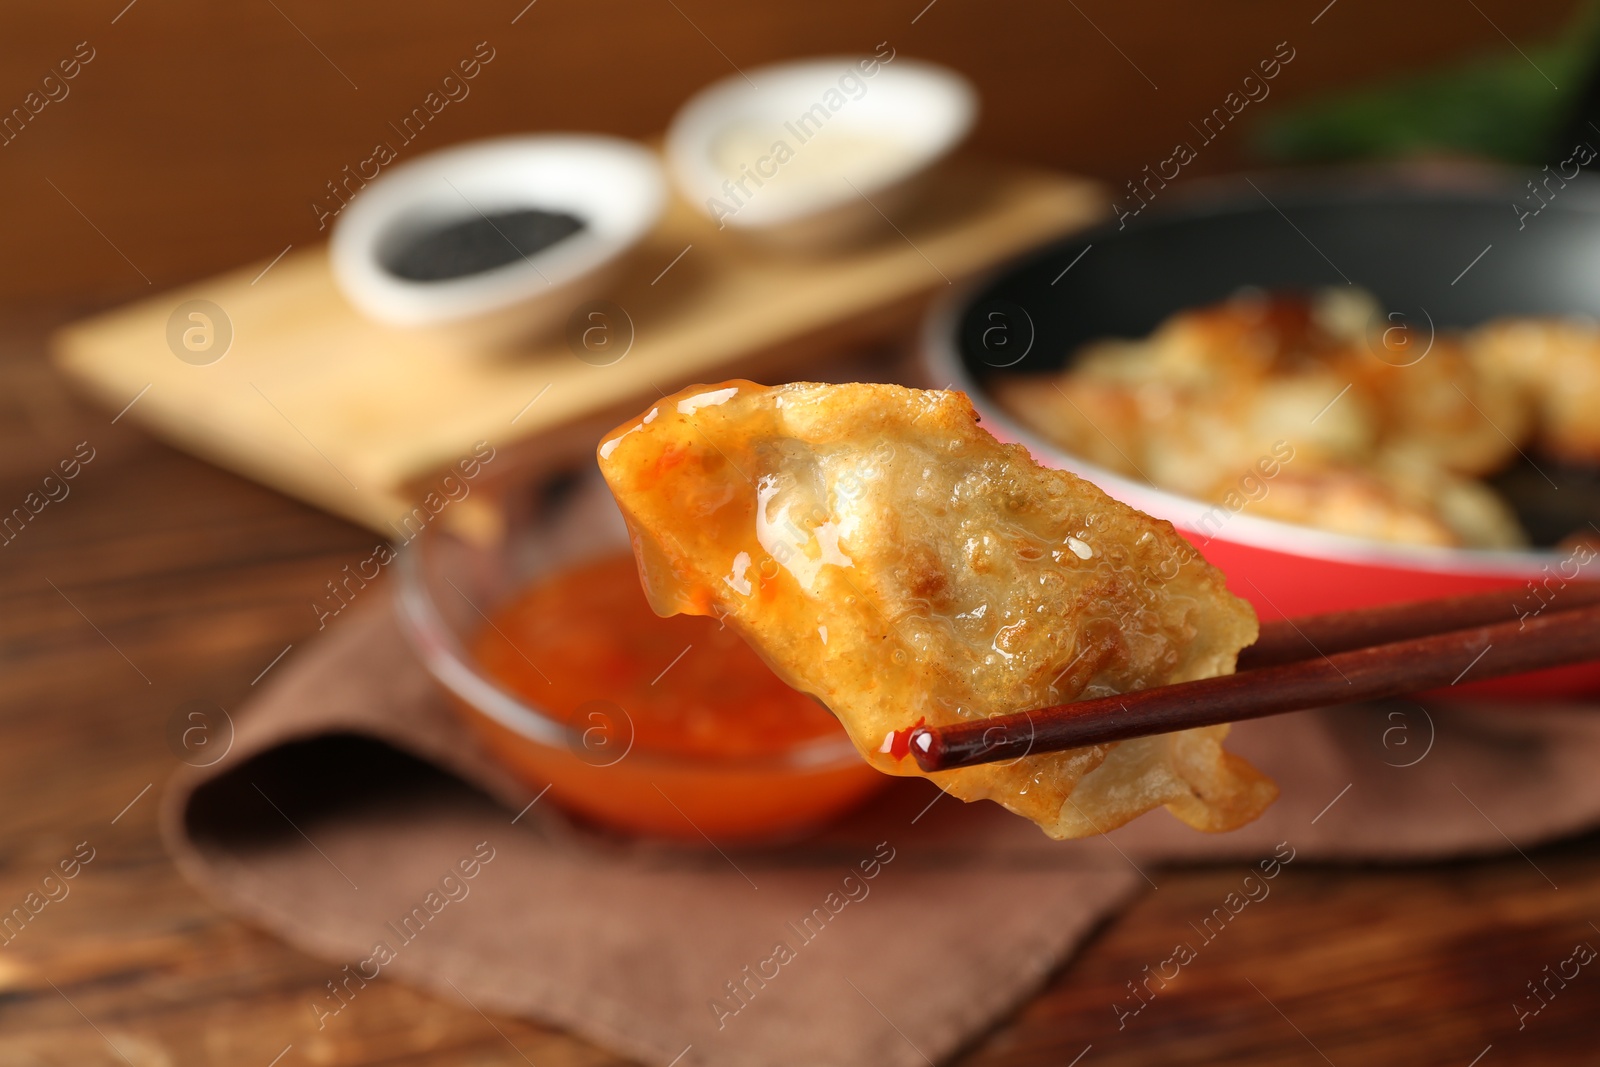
{"points": [[679, 729]]}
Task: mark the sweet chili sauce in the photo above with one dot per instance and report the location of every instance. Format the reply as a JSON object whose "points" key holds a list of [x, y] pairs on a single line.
{"points": [[692, 726], [690, 685]]}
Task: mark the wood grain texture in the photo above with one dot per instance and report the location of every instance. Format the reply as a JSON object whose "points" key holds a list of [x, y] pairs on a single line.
{"points": [[202, 133], [196, 580]]}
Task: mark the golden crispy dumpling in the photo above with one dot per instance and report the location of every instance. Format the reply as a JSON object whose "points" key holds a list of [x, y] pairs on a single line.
{"points": [[1556, 363], [1188, 438], [888, 556], [1380, 437], [1408, 503], [1059, 409], [1441, 410], [1204, 397]]}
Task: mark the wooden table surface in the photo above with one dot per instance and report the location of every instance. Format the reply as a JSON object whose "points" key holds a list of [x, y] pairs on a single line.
{"points": [[197, 140], [160, 579]]}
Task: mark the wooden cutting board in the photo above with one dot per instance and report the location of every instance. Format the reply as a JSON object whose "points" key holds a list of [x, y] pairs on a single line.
{"points": [[321, 403]]}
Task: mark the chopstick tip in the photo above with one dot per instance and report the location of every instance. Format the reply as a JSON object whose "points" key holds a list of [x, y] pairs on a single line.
{"points": [[917, 740]]}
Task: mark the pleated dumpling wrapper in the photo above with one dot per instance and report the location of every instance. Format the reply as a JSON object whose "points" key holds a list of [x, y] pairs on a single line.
{"points": [[887, 555]]}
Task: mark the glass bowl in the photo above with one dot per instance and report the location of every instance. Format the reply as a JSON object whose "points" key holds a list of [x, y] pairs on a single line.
{"points": [[449, 587]]}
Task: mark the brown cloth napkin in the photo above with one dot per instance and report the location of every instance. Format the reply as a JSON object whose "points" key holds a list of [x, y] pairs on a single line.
{"points": [[355, 819]]}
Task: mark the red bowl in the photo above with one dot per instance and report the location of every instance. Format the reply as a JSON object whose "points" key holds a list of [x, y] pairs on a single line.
{"points": [[1401, 235]]}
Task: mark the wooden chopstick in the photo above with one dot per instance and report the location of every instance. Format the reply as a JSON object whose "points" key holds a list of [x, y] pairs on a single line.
{"points": [[1289, 640], [1551, 639]]}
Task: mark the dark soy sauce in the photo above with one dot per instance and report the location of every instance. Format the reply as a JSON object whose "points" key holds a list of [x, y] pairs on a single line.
{"points": [[477, 244]]}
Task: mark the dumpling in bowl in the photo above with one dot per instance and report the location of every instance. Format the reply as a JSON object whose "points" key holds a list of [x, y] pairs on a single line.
{"points": [[1385, 441], [1556, 363], [887, 555]]}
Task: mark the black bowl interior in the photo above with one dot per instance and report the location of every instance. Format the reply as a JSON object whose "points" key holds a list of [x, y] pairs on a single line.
{"points": [[1447, 253]]}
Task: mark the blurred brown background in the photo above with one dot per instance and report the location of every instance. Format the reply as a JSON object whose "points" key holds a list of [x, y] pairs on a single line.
{"points": [[201, 133]]}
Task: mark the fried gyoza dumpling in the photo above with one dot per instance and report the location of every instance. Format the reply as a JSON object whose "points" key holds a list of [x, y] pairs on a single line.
{"points": [[1556, 363], [1408, 502], [1442, 411], [1381, 435], [888, 556], [1184, 437], [1201, 399]]}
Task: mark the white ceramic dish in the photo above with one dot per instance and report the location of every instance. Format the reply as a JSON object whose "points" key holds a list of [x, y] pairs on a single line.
{"points": [[856, 134], [614, 186]]}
